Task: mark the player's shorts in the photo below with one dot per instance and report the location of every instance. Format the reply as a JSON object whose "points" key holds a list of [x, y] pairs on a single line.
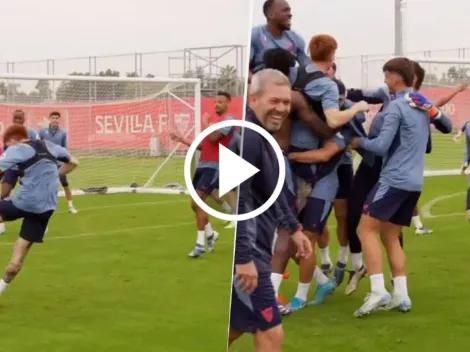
{"points": [[345, 178], [256, 311], [302, 170], [315, 214], [390, 204], [33, 226], [11, 177], [206, 179]]}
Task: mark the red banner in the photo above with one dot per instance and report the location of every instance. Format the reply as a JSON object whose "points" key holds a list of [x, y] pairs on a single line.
{"points": [[123, 125]]}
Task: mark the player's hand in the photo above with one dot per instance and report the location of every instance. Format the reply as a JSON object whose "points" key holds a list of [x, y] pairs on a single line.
{"points": [[293, 156], [247, 276], [420, 102], [355, 143], [362, 106], [303, 244], [176, 136], [461, 87]]}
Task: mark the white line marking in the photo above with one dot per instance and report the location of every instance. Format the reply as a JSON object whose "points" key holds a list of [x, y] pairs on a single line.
{"points": [[107, 233], [426, 208]]}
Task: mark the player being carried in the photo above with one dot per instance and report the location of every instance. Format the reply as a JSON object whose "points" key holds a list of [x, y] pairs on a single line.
{"points": [[36, 198], [206, 178], [58, 136]]}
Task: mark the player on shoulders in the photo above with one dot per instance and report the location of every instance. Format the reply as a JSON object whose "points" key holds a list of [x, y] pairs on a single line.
{"points": [[36, 198], [276, 33], [54, 134], [206, 178], [465, 130]]}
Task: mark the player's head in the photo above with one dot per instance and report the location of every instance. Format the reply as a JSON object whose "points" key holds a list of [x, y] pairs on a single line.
{"points": [[14, 134], [278, 13], [54, 119], [322, 49], [332, 71], [270, 98], [399, 74], [222, 100], [279, 59], [341, 90], [420, 72], [18, 117]]}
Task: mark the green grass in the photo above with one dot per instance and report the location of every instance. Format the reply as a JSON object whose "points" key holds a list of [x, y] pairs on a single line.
{"points": [[438, 283], [116, 277]]}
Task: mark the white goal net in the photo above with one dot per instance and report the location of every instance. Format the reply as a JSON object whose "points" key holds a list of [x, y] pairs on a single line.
{"points": [[118, 127], [443, 76]]}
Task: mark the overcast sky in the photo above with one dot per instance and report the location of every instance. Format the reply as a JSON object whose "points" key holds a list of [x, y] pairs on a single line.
{"points": [[39, 29], [364, 27]]}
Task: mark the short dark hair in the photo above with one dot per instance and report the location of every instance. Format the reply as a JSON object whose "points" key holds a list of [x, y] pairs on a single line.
{"points": [[17, 132], [268, 4], [402, 67], [225, 94], [279, 59], [341, 86], [420, 72], [18, 111], [54, 113]]}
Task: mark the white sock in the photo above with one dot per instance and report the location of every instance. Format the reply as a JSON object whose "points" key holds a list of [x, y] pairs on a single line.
{"points": [[319, 277], [208, 229], [400, 286], [377, 283], [417, 222], [302, 291], [356, 259], [226, 207], [70, 204], [276, 279], [201, 238], [325, 255], [2, 226], [343, 255], [3, 286]]}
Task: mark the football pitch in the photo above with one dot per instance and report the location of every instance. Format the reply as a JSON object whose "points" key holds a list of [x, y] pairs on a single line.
{"points": [[437, 277], [116, 276]]}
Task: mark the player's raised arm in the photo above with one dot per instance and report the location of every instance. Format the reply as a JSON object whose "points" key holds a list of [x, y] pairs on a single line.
{"points": [[445, 99], [370, 96], [178, 137]]}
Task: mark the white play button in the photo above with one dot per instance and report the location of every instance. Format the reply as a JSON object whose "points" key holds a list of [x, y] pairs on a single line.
{"points": [[233, 170]]}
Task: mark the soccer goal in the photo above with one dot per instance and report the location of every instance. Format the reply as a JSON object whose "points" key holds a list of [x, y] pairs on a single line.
{"points": [[443, 75], [119, 128]]}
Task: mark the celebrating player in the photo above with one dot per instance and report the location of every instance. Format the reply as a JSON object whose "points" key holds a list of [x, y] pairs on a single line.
{"points": [[276, 34], [465, 167], [206, 178], [57, 135], [254, 307], [36, 199]]}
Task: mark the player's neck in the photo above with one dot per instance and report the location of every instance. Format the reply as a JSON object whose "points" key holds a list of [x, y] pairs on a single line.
{"points": [[220, 114], [400, 89], [274, 30], [321, 65]]}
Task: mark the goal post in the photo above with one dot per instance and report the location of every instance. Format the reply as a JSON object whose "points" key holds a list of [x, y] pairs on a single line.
{"points": [[118, 127], [443, 76]]}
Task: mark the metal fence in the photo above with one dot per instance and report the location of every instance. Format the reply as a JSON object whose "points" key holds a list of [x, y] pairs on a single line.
{"points": [[221, 67]]}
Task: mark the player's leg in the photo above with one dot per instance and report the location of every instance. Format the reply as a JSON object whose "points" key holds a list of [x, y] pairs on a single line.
{"points": [[468, 202], [418, 224], [324, 246], [68, 193], [281, 256], [232, 202]]}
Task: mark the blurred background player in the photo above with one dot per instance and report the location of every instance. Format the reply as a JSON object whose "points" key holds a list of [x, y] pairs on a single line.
{"points": [[465, 130], [58, 136], [276, 33], [36, 198], [206, 177]]}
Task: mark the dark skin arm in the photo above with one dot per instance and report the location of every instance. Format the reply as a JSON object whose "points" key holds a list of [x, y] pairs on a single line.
{"points": [[215, 136], [329, 150], [309, 117]]}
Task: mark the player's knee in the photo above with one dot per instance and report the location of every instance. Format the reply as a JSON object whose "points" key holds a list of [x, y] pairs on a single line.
{"points": [[13, 269], [468, 215], [270, 340]]}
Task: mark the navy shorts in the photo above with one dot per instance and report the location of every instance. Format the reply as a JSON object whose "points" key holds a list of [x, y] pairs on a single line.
{"points": [[304, 171], [206, 180], [256, 311], [33, 226], [11, 177], [315, 214], [345, 178], [389, 204]]}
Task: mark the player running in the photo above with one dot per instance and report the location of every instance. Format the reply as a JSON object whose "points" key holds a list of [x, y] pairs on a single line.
{"points": [[276, 33], [402, 141], [206, 178], [36, 198], [253, 306], [466, 164], [58, 136]]}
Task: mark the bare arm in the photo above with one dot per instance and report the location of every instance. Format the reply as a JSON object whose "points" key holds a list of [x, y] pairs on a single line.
{"points": [[68, 167], [178, 137], [445, 99], [336, 118], [322, 155]]}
